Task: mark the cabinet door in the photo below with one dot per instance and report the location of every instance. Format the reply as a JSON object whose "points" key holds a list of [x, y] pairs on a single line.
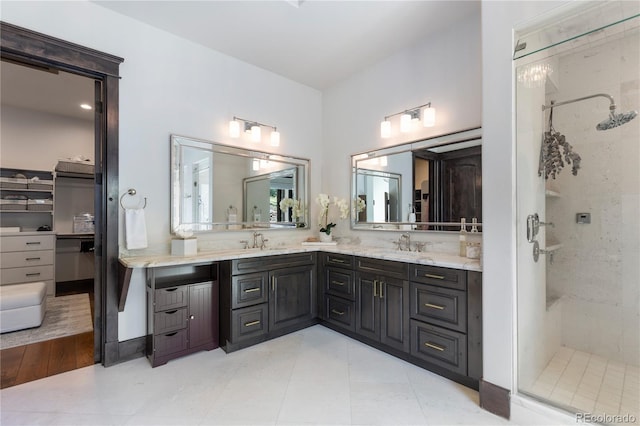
{"points": [[367, 306], [394, 313], [292, 296], [203, 314]]}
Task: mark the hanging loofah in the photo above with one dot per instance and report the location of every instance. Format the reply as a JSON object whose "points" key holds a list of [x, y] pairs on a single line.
{"points": [[555, 152]]}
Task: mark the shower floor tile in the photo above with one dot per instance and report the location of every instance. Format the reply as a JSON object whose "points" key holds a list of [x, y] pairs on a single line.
{"points": [[590, 383]]}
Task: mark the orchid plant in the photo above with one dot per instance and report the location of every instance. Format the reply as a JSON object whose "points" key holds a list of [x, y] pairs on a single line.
{"points": [[325, 203], [296, 206]]}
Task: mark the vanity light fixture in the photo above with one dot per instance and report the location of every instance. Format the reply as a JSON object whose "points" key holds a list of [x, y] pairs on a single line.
{"points": [[254, 128], [408, 118]]}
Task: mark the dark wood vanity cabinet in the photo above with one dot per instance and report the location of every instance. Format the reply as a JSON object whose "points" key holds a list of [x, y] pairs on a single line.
{"points": [[338, 290], [266, 297], [430, 316], [182, 311], [382, 302], [446, 319]]}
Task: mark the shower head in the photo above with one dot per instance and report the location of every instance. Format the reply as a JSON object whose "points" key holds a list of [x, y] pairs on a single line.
{"points": [[616, 120]]}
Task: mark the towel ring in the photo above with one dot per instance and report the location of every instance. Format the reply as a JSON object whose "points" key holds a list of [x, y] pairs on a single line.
{"points": [[131, 192]]}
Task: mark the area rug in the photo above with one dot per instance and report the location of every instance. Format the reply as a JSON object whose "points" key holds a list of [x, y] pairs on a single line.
{"points": [[65, 316]]}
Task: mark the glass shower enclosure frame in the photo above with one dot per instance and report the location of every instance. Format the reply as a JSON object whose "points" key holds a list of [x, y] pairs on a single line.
{"points": [[577, 76]]}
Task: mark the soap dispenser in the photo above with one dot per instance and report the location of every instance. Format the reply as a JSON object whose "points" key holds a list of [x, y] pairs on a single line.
{"points": [[463, 237]]}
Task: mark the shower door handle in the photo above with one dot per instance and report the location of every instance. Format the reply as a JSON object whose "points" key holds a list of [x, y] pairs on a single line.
{"points": [[533, 227]]}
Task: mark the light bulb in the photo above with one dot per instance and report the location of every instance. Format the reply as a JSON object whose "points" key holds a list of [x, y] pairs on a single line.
{"points": [[234, 128], [256, 135], [405, 122], [385, 129], [275, 138], [429, 117]]}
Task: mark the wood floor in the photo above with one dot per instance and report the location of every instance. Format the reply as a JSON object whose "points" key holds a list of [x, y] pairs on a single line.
{"points": [[35, 361]]}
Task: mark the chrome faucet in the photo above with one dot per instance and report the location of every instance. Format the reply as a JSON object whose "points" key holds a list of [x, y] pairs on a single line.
{"points": [[255, 240], [405, 242]]}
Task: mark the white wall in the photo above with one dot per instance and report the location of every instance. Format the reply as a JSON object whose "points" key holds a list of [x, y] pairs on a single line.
{"points": [[444, 69], [37, 140], [498, 183], [170, 85], [597, 269]]}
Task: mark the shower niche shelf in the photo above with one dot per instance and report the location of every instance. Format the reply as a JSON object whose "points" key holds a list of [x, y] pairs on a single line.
{"points": [[550, 193]]}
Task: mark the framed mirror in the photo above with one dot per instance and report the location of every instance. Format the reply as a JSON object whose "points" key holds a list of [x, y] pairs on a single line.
{"points": [[216, 187], [427, 185]]}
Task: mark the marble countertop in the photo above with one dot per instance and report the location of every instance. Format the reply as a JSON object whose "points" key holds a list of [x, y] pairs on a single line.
{"points": [[446, 260]]}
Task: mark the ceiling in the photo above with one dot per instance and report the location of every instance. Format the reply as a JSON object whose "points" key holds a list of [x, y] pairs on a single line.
{"points": [[317, 43], [314, 42], [52, 92]]}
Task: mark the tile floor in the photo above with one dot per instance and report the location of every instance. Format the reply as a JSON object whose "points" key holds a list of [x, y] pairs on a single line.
{"points": [[590, 383], [314, 376]]}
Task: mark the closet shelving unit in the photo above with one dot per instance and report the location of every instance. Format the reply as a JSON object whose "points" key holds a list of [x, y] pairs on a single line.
{"points": [[27, 203]]}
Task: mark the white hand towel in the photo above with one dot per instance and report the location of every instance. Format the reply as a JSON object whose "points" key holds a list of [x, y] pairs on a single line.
{"points": [[135, 229]]}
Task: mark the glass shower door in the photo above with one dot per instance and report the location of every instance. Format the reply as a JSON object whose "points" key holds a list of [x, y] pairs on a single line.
{"points": [[578, 203]]}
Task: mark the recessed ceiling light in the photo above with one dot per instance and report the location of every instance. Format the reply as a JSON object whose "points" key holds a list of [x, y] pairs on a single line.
{"points": [[85, 106]]}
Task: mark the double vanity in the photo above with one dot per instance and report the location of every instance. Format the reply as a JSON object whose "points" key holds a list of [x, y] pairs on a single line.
{"points": [[422, 307]]}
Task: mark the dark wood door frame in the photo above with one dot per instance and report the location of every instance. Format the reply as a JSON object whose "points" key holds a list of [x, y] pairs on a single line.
{"points": [[38, 50]]}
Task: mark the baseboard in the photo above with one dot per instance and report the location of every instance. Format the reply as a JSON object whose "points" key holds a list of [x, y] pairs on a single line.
{"points": [[495, 399], [118, 352]]}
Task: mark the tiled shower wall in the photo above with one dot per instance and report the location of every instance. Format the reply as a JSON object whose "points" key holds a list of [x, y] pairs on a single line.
{"points": [[596, 271]]}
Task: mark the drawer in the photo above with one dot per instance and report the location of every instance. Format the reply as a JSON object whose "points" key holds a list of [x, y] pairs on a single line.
{"points": [[444, 277], [171, 298], [27, 243], [167, 321], [340, 282], [439, 346], [340, 312], [26, 275], [249, 322], [170, 343], [441, 306], [387, 267], [18, 259], [260, 264], [339, 260], [249, 289]]}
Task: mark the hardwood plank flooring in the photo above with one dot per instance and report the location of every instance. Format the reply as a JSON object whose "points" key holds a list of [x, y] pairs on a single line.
{"points": [[35, 361]]}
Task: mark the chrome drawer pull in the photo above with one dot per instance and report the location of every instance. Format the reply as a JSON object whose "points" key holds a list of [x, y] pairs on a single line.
{"points": [[33, 274], [32, 258], [251, 290], [32, 243], [431, 305], [437, 277], [249, 324], [432, 346], [337, 282], [337, 312]]}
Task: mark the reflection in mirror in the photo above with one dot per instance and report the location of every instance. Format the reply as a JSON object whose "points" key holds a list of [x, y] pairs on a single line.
{"points": [[216, 187], [426, 185]]}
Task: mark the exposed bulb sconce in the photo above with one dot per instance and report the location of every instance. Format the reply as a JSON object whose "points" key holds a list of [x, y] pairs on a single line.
{"points": [[408, 118], [254, 129]]}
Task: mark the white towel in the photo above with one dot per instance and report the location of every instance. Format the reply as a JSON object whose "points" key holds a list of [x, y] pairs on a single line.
{"points": [[135, 229]]}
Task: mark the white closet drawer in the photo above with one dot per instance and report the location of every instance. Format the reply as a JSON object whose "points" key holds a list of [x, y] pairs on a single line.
{"points": [[20, 259], [25, 275], [27, 243]]}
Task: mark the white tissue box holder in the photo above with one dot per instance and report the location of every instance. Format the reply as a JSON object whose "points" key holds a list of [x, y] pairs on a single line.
{"points": [[184, 246]]}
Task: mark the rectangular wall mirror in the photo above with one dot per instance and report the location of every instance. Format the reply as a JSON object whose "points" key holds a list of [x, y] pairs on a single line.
{"points": [[217, 187], [428, 185]]}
